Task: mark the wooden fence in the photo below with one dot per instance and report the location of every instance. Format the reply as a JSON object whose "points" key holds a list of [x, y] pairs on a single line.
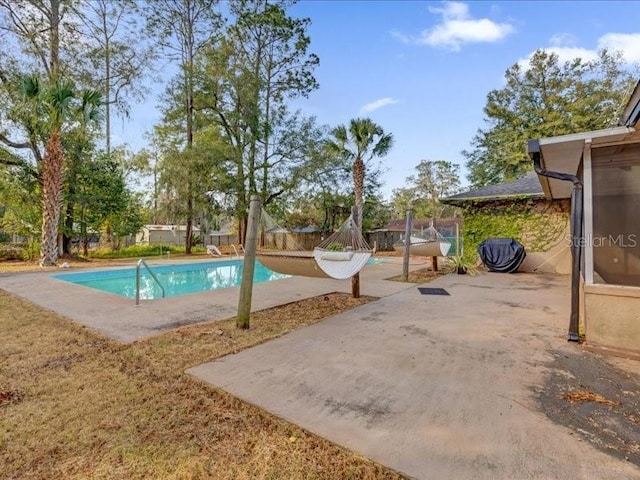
{"points": [[292, 241], [221, 240]]}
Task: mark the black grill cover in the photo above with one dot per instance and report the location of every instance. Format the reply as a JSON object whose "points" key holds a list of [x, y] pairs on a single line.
{"points": [[504, 255]]}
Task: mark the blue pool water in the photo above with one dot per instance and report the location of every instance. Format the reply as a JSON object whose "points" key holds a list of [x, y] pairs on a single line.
{"points": [[176, 279]]}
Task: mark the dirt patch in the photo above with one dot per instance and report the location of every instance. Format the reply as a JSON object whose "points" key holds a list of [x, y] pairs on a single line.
{"points": [[424, 275], [10, 396], [596, 400]]}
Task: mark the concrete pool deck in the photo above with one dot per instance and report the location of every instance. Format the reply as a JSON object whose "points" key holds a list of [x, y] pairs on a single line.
{"points": [[118, 318], [436, 387]]}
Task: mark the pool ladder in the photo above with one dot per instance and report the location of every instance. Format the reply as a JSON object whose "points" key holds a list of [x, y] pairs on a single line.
{"points": [[141, 263]]}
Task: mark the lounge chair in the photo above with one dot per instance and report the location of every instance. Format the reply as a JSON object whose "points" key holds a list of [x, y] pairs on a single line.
{"points": [[214, 251]]}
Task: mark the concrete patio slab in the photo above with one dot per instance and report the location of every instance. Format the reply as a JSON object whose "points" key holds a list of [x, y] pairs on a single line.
{"points": [[433, 386], [118, 318]]}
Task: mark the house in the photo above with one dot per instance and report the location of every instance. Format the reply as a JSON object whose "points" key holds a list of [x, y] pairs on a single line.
{"points": [[518, 209], [599, 173], [164, 234]]}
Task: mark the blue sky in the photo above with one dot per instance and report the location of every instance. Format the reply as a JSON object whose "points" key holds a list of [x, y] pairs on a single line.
{"points": [[422, 70]]}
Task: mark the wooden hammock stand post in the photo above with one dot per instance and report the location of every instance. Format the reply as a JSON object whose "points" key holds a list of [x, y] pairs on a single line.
{"points": [[355, 280], [407, 246], [434, 260], [246, 287]]}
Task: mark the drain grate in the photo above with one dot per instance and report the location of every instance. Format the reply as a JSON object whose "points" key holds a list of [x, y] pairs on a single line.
{"points": [[433, 291]]}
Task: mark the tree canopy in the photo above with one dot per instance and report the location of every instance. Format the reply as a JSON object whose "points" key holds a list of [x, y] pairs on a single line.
{"points": [[545, 98]]}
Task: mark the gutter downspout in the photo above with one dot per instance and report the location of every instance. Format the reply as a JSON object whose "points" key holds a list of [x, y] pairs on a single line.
{"points": [[577, 214]]}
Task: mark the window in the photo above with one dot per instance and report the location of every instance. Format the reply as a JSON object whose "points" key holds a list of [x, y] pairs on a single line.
{"points": [[616, 214]]}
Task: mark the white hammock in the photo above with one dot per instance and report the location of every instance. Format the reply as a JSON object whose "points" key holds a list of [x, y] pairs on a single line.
{"points": [[428, 243], [340, 256], [344, 253]]}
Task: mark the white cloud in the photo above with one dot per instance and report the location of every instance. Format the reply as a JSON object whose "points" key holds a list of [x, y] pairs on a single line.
{"points": [[627, 43], [377, 104], [457, 28], [564, 45], [565, 54], [563, 40], [401, 36]]}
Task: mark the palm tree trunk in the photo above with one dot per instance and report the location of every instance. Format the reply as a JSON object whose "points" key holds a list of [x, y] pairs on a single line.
{"points": [[358, 186], [51, 199]]}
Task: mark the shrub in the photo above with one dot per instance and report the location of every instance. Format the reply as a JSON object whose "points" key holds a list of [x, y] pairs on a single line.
{"points": [[137, 251], [11, 251]]}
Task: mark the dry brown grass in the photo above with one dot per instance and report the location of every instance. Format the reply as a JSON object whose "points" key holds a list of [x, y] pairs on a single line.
{"points": [[19, 266], [73, 263], [423, 275], [581, 396], [76, 405]]}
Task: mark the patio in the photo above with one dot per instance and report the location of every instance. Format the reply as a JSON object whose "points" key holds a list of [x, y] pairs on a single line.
{"points": [[460, 386]]}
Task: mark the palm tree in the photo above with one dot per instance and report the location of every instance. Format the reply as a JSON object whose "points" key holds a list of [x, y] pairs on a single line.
{"points": [[361, 141], [53, 107]]}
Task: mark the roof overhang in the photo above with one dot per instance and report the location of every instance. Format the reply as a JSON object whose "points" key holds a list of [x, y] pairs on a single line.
{"points": [[494, 198], [631, 113], [563, 154]]}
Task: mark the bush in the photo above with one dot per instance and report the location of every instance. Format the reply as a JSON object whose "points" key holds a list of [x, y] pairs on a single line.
{"points": [[11, 251], [31, 251], [137, 251]]}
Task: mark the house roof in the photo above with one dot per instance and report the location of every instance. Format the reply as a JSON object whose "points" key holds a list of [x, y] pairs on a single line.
{"points": [[400, 225], [169, 228], [563, 154], [631, 112], [526, 186], [309, 229]]}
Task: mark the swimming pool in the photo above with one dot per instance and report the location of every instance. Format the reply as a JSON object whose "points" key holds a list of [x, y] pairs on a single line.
{"points": [[179, 279]]}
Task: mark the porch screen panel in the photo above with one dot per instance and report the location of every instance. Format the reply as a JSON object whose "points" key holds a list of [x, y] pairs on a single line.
{"points": [[616, 215]]}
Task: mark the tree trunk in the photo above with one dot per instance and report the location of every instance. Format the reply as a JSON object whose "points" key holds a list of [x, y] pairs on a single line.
{"points": [[358, 187], [189, 233], [51, 199], [107, 90], [54, 39], [68, 223]]}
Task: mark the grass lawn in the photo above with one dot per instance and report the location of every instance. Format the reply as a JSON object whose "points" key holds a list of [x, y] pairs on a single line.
{"points": [[74, 404]]}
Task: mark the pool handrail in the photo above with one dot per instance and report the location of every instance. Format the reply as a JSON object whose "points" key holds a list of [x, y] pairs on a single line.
{"points": [[140, 263]]}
